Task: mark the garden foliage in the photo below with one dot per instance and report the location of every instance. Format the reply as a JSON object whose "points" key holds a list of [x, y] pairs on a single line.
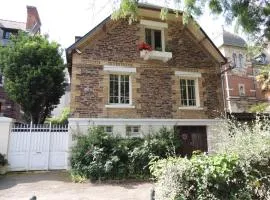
{"points": [[238, 170], [98, 155]]}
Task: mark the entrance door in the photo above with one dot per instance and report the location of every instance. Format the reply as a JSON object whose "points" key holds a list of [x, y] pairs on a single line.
{"points": [[193, 138]]}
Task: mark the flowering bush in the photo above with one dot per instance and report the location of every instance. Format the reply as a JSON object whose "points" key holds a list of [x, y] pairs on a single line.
{"points": [[144, 46]]}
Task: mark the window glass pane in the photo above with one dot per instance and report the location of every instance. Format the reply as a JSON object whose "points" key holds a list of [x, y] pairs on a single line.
{"points": [[113, 89], [187, 92], [157, 35], [240, 60], [124, 88], [148, 38], [234, 59], [183, 92]]}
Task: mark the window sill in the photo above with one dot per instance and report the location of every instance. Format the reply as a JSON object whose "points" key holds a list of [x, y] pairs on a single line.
{"points": [[156, 55], [119, 106], [190, 108]]}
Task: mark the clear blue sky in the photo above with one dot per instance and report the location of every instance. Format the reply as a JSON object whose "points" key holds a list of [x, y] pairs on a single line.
{"points": [[63, 19]]}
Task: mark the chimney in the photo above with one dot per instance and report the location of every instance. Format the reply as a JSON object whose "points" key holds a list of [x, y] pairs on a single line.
{"points": [[33, 23]]}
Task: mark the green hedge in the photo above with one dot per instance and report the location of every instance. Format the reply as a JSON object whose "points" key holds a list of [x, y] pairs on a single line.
{"points": [[98, 155]]}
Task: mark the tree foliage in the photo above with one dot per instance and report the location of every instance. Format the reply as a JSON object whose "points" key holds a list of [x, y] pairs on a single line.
{"points": [[34, 77], [252, 15]]}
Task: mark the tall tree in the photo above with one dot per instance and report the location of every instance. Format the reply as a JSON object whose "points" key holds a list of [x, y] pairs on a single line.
{"points": [[252, 15], [34, 77]]}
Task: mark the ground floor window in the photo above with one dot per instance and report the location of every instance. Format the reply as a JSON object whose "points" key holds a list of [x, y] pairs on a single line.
{"points": [[119, 89], [133, 131], [188, 92]]}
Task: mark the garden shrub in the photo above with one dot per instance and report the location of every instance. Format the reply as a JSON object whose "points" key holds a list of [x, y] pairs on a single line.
{"points": [[239, 169], [98, 155]]}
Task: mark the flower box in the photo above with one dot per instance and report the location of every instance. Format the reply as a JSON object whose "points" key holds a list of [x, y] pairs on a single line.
{"points": [[155, 55]]}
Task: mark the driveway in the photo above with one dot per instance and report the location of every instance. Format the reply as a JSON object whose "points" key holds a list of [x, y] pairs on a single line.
{"points": [[57, 185]]}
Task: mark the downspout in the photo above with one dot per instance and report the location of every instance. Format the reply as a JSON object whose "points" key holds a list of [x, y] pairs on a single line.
{"points": [[228, 92], [222, 87]]}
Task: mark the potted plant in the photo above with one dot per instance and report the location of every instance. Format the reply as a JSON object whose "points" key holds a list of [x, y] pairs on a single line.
{"points": [[144, 49], [3, 164]]}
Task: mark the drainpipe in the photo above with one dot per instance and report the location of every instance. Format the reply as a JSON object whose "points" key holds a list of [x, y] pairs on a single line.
{"points": [[226, 100]]}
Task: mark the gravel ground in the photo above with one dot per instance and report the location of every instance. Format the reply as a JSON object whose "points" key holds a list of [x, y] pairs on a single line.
{"points": [[57, 185]]}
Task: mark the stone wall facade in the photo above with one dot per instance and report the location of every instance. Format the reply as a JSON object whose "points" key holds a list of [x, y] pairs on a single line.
{"points": [[155, 87]]}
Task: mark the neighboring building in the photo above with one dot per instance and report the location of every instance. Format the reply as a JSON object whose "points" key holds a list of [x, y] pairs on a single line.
{"points": [[132, 92], [64, 100], [7, 107], [239, 76]]}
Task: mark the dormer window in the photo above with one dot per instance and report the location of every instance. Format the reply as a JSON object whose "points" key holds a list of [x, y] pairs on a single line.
{"points": [[153, 38], [241, 61], [234, 59], [154, 35]]}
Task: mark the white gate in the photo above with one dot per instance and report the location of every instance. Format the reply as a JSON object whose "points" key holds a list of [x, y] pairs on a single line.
{"points": [[38, 147]]}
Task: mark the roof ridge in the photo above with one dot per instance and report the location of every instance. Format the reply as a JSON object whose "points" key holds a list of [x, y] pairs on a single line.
{"points": [[12, 21]]}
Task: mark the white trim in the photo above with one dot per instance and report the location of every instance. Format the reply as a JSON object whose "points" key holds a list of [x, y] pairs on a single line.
{"points": [[119, 106], [111, 68], [154, 23], [191, 108], [197, 92], [188, 74], [252, 90], [142, 121]]}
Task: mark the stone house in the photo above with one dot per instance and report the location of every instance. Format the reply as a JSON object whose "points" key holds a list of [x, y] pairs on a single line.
{"points": [[7, 27], [240, 85], [131, 92]]}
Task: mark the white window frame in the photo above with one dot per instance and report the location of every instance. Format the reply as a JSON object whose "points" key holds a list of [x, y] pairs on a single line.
{"points": [[105, 129], [153, 25], [120, 70], [244, 90], [190, 76], [132, 133], [119, 89]]}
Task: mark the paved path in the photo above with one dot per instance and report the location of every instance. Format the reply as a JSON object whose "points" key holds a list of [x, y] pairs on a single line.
{"points": [[57, 186]]}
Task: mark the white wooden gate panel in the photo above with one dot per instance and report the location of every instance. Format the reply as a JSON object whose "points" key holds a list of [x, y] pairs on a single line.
{"points": [[39, 147]]}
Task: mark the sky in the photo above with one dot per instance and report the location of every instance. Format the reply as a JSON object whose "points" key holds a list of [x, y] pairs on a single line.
{"points": [[65, 19]]}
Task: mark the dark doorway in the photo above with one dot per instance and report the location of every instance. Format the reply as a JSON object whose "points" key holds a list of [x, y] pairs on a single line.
{"points": [[192, 138]]}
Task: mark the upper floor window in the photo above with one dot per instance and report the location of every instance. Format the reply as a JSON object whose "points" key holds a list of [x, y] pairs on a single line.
{"points": [[119, 89], [154, 38], [234, 59], [241, 61]]}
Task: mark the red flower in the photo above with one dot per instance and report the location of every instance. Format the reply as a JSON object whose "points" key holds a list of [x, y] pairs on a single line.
{"points": [[144, 46]]}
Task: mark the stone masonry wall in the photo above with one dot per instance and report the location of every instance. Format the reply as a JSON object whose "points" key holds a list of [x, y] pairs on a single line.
{"points": [[155, 88]]}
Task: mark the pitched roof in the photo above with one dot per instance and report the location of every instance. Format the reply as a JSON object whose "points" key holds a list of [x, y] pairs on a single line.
{"points": [[12, 24], [202, 34], [230, 39]]}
